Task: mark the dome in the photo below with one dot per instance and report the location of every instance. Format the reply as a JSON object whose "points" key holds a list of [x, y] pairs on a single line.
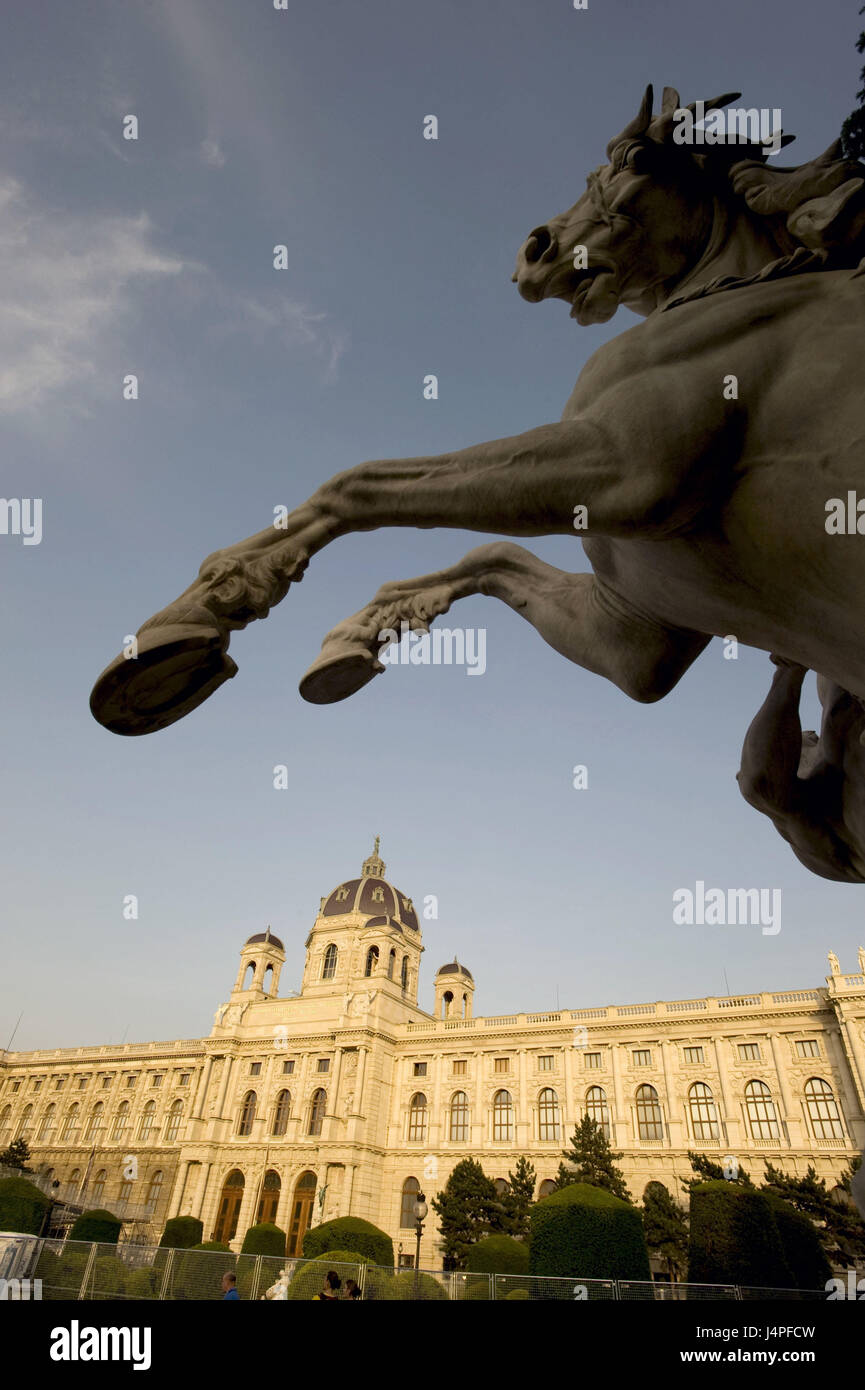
{"points": [[266, 936], [373, 896], [453, 967]]}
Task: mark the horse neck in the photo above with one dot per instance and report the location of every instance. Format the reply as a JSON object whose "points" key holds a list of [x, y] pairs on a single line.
{"points": [[738, 245]]}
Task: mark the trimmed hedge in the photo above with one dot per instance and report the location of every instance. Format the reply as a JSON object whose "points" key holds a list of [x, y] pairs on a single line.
{"points": [[410, 1287], [22, 1206], [735, 1238], [182, 1233], [349, 1233], [142, 1283], [265, 1239], [498, 1255], [516, 1294], [801, 1244], [585, 1232], [98, 1224], [309, 1278], [198, 1273]]}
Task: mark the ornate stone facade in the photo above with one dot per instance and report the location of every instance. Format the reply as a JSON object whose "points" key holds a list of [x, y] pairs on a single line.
{"points": [[349, 1097]]}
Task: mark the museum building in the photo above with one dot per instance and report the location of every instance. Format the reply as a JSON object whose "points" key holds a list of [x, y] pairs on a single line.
{"points": [[350, 1098]]}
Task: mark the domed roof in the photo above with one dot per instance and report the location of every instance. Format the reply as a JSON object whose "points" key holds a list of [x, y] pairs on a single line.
{"points": [[453, 967], [373, 896], [266, 936]]}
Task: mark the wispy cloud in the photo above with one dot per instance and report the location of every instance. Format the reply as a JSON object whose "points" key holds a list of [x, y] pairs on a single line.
{"points": [[212, 154]]}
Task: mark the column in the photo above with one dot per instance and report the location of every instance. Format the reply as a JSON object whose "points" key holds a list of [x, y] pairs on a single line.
{"points": [[855, 1056], [675, 1119], [792, 1122], [619, 1125], [732, 1123], [223, 1089], [201, 1089]]}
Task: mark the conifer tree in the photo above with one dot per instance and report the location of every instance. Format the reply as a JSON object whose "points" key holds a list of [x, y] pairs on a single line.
{"points": [[591, 1160]]}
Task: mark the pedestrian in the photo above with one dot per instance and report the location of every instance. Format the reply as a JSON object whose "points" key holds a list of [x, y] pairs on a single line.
{"points": [[229, 1288], [352, 1290], [332, 1284]]}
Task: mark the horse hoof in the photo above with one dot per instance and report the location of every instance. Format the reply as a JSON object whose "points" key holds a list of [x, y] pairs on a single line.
{"points": [[177, 667], [336, 674]]}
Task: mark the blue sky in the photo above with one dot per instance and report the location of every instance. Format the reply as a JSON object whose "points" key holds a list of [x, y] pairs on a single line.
{"points": [[303, 127]]}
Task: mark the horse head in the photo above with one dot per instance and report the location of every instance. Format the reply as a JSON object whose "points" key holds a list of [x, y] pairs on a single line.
{"points": [[661, 210]]}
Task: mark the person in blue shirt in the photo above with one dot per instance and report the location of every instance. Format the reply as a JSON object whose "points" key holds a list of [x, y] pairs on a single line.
{"points": [[229, 1287]]}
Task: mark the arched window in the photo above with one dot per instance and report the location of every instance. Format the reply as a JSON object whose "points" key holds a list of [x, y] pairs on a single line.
{"points": [[267, 982], [74, 1179], [328, 968], [459, 1117], [25, 1122], [98, 1193], [5, 1125], [46, 1128], [269, 1202], [154, 1188], [410, 1190], [121, 1120], [172, 1122], [145, 1124], [371, 960], [761, 1111], [546, 1188], [281, 1112], [823, 1110], [229, 1207], [403, 976], [94, 1122], [125, 1194], [650, 1121], [316, 1111], [249, 975], [71, 1123], [391, 964], [501, 1187], [548, 1115], [503, 1116], [247, 1114], [417, 1117], [597, 1109], [301, 1211], [704, 1116], [447, 1003]]}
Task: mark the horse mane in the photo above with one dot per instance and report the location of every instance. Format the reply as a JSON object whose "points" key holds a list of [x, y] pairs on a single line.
{"points": [[819, 205]]}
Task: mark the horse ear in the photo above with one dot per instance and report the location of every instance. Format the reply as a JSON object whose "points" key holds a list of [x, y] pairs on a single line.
{"points": [[640, 124], [671, 101]]}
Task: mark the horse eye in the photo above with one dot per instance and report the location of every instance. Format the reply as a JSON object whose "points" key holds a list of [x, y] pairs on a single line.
{"points": [[635, 159]]}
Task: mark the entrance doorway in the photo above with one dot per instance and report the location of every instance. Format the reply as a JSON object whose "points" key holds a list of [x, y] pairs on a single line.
{"points": [[229, 1207], [301, 1211]]}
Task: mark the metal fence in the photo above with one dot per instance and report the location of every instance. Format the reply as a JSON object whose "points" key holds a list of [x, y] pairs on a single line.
{"points": [[75, 1270]]}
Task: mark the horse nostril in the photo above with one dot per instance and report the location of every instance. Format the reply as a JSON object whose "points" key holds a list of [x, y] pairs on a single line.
{"points": [[540, 245]]}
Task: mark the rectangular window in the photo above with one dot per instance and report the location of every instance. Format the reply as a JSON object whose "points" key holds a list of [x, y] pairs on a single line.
{"points": [[106, 1082], [642, 1057], [694, 1054], [420, 1068], [545, 1064], [255, 1069], [156, 1081], [323, 1064], [131, 1080], [37, 1084], [184, 1079], [288, 1068], [82, 1083], [16, 1086], [502, 1064], [459, 1068], [808, 1047], [592, 1061], [60, 1083], [749, 1052]]}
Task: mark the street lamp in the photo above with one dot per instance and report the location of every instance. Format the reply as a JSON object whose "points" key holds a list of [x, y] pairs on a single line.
{"points": [[420, 1212]]}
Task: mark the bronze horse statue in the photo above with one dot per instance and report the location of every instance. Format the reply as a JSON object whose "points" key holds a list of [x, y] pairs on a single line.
{"points": [[696, 456]]}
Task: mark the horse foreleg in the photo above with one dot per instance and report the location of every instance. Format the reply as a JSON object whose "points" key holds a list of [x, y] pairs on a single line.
{"points": [[575, 613]]}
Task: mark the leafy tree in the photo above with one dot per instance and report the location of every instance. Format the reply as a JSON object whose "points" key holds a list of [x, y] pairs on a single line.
{"points": [[839, 1226], [16, 1156], [591, 1160], [853, 129], [518, 1200], [468, 1209], [707, 1171], [666, 1228]]}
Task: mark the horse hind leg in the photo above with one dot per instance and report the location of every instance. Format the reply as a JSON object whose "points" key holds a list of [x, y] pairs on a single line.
{"points": [[575, 613]]}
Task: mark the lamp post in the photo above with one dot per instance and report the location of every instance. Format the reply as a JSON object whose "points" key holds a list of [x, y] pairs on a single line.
{"points": [[420, 1211]]}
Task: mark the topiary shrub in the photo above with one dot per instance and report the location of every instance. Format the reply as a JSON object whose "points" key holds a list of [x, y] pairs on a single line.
{"points": [[142, 1283], [48, 1266], [734, 1238], [69, 1274], [98, 1225], [350, 1233], [198, 1272], [800, 1242], [585, 1232], [477, 1291], [107, 1277], [22, 1206], [309, 1278], [182, 1233], [264, 1239], [421, 1287], [517, 1294], [498, 1255]]}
